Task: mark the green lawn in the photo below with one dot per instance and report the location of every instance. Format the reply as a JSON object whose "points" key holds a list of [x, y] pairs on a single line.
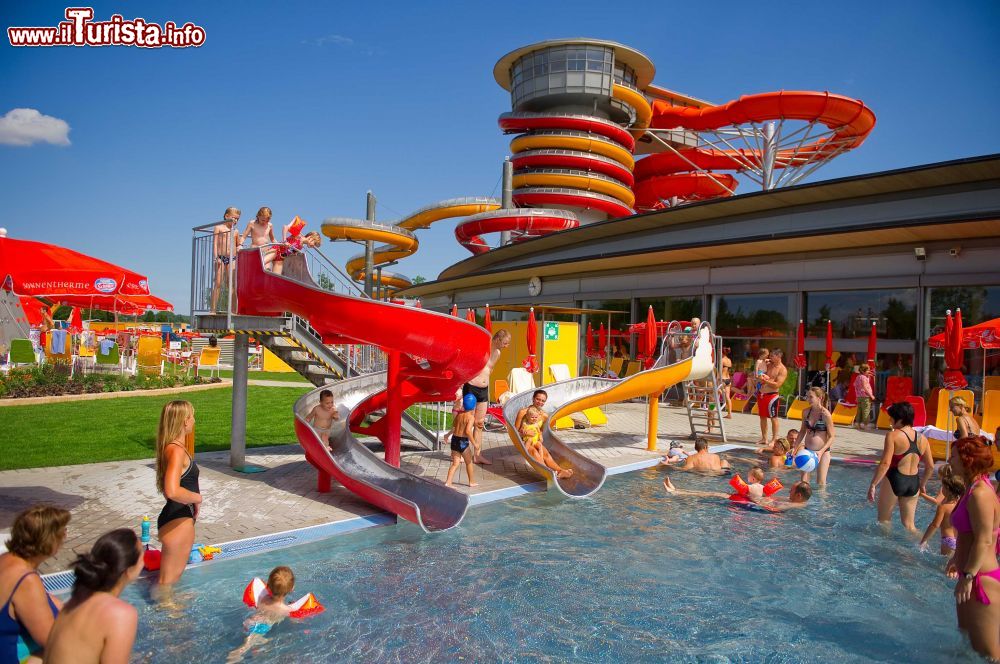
{"points": [[125, 428], [287, 376]]}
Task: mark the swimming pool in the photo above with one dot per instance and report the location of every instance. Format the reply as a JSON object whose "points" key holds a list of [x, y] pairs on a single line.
{"points": [[629, 575]]}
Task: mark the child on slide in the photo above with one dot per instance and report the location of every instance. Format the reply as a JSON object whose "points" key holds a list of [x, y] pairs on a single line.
{"points": [[531, 435], [271, 610], [323, 415]]}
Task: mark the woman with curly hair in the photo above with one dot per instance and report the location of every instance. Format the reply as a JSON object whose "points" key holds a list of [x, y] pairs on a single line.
{"points": [[976, 518]]}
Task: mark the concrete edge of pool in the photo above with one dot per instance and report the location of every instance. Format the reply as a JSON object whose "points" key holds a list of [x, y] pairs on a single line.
{"points": [[59, 583]]}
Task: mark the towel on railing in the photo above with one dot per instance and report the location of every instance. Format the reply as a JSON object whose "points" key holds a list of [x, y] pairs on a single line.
{"points": [[106, 345]]}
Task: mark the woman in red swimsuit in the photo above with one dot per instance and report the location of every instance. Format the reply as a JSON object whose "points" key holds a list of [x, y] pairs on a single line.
{"points": [[976, 517]]}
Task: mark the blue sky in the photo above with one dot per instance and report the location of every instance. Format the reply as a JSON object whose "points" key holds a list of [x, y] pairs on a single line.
{"points": [[304, 106]]}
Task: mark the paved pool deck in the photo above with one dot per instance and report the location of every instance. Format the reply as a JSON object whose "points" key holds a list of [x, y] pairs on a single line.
{"points": [[104, 496]]}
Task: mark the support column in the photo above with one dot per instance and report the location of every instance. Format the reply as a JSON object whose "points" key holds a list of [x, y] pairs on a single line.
{"points": [[652, 420], [507, 198], [770, 153], [370, 247], [238, 437], [393, 410]]}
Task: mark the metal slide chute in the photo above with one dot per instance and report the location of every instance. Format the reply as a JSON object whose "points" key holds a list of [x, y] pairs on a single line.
{"points": [[434, 355], [677, 363]]}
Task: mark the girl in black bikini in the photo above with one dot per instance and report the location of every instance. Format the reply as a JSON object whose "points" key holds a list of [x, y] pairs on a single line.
{"points": [[817, 433], [177, 480], [965, 424], [897, 471]]}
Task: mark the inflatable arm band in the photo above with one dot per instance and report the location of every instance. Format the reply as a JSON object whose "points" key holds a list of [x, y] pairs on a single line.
{"points": [[301, 608]]}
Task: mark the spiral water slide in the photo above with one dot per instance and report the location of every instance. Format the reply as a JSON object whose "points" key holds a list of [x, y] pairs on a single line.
{"points": [[577, 394], [430, 356], [686, 173]]}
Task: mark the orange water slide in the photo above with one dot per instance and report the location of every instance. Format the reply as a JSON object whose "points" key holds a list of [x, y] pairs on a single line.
{"points": [[686, 173]]}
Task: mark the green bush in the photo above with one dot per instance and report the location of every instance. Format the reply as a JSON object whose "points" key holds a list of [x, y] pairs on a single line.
{"points": [[55, 380]]}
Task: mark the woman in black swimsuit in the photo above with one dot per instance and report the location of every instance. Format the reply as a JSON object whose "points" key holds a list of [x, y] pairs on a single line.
{"points": [[177, 480], [817, 433], [897, 471]]}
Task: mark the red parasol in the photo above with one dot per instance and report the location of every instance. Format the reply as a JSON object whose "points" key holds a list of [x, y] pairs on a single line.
{"points": [[872, 345], [983, 335], [953, 377], [37, 268], [418, 305], [649, 338], [590, 341], [488, 322], [32, 311], [454, 310], [829, 344], [602, 341], [800, 346], [470, 315], [530, 363]]}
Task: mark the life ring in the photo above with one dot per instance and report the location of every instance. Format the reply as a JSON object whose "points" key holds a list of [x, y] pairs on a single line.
{"points": [[301, 608]]}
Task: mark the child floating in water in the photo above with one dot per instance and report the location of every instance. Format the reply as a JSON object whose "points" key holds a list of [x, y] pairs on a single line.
{"points": [[531, 435], [323, 415], [271, 610], [952, 488], [755, 480], [461, 435], [778, 453]]}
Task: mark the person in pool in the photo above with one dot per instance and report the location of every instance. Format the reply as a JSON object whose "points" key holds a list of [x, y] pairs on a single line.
{"points": [[896, 475], [531, 435], [271, 610], [28, 612], [95, 625], [798, 495], [952, 488], [462, 429], [976, 517], [817, 433], [701, 461], [778, 453], [177, 479]]}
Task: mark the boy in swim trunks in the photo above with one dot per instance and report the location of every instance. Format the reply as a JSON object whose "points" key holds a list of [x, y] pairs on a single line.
{"points": [[461, 446], [323, 415], [531, 436], [224, 238], [270, 611]]}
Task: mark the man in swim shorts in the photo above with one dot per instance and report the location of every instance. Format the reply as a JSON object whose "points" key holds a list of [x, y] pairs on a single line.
{"points": [[478, 386], [224, 237], [768, 399], [701, 461]]}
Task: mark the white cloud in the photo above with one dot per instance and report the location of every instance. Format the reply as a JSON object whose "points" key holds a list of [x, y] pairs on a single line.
{"points": [[26, 126], [336, 40]]}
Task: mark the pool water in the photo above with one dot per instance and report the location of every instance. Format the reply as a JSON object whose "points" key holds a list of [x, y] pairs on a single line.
{"points": [[630, 575]]}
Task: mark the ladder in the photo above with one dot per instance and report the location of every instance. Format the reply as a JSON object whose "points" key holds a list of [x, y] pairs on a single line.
{"points": [[701, 400], [302, 348]]}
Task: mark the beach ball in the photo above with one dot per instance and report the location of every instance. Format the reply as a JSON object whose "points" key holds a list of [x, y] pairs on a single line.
{"points": [[806, 461], [469, 402]]}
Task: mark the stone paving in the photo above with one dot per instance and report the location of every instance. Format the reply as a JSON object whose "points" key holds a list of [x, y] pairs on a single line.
{"points": [[103, 496]]}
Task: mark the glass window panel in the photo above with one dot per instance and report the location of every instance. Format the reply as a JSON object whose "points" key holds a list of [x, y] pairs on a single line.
{"points": [[753, 315], [594, 65], [978, 304], [558, 65], [894, 312]]}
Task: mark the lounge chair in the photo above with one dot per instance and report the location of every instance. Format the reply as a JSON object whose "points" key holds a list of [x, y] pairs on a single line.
{"points": [[796, 408], [944, 419], [208, 359], [21, 353]]}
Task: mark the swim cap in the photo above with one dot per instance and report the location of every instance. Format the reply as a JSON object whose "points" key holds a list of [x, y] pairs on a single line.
{"points": [[469, 402]]}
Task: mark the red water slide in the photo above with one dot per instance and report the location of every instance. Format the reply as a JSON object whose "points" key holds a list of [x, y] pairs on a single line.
{"points": [[430, 356], [848, 123], [525, 223]]}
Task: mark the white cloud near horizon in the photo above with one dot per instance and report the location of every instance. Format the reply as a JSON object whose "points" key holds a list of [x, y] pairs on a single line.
{"points": [[26, 126], [336, 40]]}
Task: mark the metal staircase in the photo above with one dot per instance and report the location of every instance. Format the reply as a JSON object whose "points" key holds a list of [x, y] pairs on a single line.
{"points": [[701, 400], [302, 348]]}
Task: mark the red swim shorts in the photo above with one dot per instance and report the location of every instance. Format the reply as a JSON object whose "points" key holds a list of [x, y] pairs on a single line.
{"points": [[767, 405]]}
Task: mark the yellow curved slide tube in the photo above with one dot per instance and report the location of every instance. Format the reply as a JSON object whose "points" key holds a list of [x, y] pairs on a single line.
{"points": [[574, 181], [643, 384], [555, 141], [643, 111], [425, 218]]}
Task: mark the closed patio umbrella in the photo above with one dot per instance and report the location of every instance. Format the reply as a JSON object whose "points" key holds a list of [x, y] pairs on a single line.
{"points": [[488, 322], [872, 345], [602, 341], [530, 363], [649, 338]]}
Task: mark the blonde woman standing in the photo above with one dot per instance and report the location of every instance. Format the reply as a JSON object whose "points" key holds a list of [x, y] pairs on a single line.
{"points": [[177, 480]]}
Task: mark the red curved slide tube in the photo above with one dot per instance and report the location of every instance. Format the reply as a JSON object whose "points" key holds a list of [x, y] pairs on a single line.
{"points": [[516, 123], [573, 159], [526, 220]]}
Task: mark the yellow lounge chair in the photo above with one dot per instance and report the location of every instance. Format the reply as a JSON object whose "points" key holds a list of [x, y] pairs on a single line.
{"points": [[795, 410], [616, 366], [845, 414], [595, 416], [991, 412], [149, 358], [633, 367], [208, 359]]}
